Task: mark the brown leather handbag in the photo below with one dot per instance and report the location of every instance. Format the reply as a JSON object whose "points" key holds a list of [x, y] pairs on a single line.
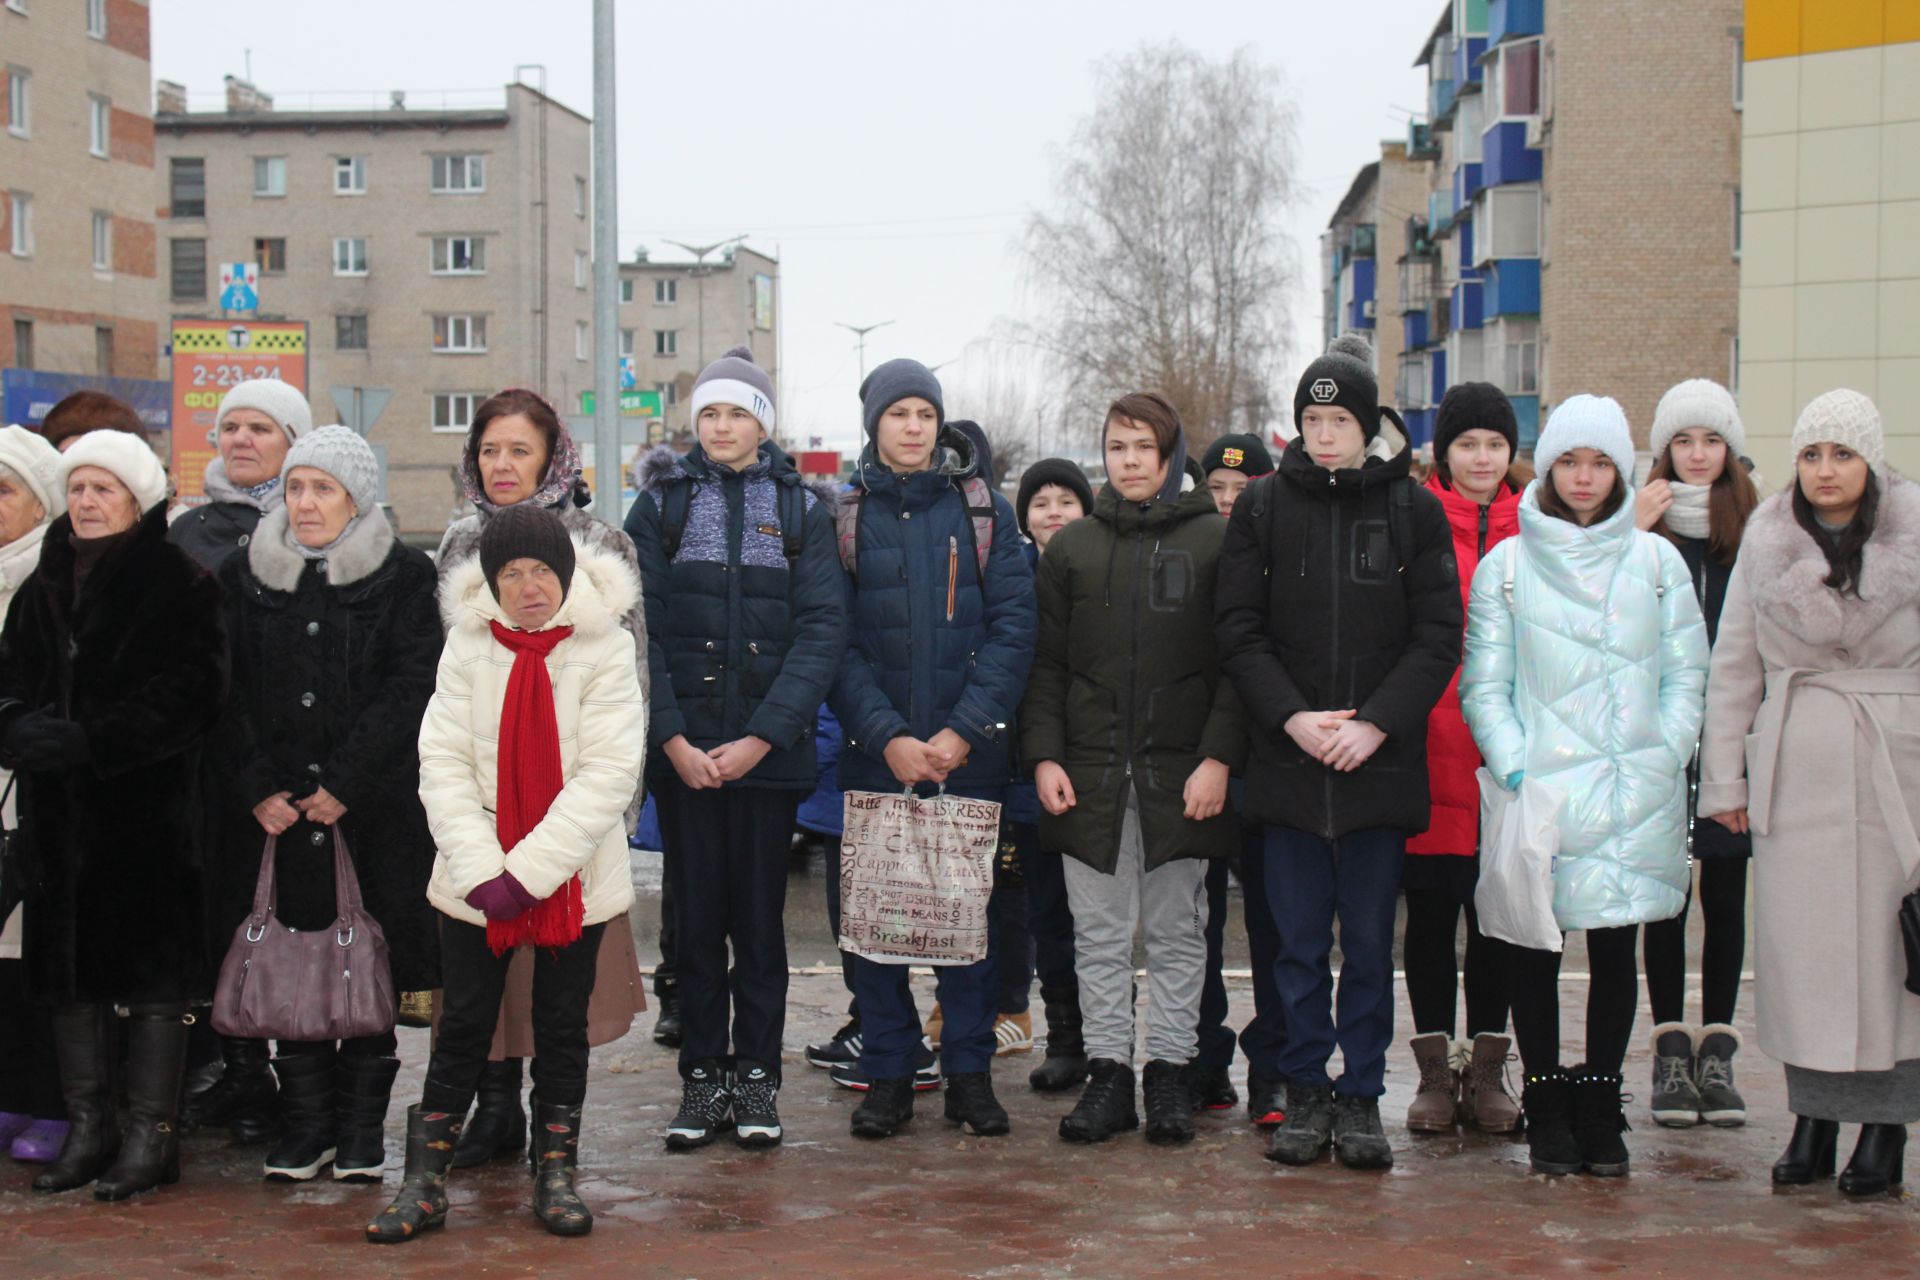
{"points": [[279, 983]]}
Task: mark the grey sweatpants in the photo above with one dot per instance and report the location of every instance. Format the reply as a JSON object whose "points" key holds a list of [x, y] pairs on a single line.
{"points": [[1169, 903]]}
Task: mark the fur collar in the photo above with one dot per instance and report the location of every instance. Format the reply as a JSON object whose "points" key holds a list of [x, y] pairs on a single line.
{"points": [[604, 589], [1784, 567], [278, 566]]}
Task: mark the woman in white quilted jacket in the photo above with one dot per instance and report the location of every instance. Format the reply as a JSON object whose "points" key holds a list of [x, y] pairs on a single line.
{"points": [[1586, 668], [530, 753]]}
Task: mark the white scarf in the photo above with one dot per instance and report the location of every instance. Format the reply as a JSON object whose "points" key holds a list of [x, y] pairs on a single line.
{"points": [[1689, 516]]}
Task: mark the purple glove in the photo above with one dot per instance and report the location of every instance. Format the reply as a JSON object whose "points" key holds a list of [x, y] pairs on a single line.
{"points": [[502, 898]]}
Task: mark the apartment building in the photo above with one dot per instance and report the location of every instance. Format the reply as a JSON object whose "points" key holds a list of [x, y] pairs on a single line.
{"points": [[437, 255], [1370, 228], [676, 317], [1830, 245], [79, 299]]}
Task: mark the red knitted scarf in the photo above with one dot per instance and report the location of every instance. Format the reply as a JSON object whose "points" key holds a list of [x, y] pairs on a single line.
{"points": [[529, 780]]}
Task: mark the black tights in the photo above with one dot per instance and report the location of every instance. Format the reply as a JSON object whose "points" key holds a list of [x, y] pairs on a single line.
{"points": [[1723, 948], [1433, 918], [1613, 999]]}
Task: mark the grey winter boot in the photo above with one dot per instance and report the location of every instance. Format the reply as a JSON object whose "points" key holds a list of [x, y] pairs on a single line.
{"points": [[1676, 1098], [1720, 1103], [1433, 1100]]}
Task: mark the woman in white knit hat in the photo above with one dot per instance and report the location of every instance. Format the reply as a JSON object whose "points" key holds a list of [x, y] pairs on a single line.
{"points": [[112, 669], [257, 423], [1586, 660], [32, 1117], [1699, 496], [1813, 721]]}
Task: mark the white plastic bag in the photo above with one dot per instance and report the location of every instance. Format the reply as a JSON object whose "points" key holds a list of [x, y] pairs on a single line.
{"points": [[915, 876], [1519, 839]]}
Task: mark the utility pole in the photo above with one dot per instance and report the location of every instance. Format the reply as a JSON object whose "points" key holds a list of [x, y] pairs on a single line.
{"points": [[700, 272], [607, 467], [863, 331]]}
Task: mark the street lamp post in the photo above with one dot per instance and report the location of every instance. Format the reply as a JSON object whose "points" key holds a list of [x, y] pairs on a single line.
{"points": [[863, 331], [700, 272]]}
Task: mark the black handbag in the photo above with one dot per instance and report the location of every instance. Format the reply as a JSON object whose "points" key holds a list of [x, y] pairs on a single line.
{"points": [[1910, 935], [13, 870]]}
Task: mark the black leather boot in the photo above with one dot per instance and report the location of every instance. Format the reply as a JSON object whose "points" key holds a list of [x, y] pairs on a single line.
{"points": [[307, 1140], [556, 1157], [362, 1086], [83, 1044], [1809, 1156], [971, 1104], [1878, 1161], [156, 1073], [243, 1099], [1546, 1102], [1106, 1108], [499, 1124], [666, 1027], [1066, 1062], [1169, 1105], [421, 1203]]}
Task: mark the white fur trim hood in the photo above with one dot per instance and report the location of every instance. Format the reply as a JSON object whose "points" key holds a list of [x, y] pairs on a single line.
{"points": [[602, 592]]}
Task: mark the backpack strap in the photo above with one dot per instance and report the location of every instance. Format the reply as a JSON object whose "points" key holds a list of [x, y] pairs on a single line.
{"points": [[1400, 517], [675, 501], [1506, 581], [793, 521], [980, 510], [846, 529]]}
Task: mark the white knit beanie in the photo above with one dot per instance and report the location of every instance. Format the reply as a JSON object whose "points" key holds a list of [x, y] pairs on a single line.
{"points": [[28, 455], [130, 460], [1697, 402], [275, 399], [1587, 422], [1846, 418]]}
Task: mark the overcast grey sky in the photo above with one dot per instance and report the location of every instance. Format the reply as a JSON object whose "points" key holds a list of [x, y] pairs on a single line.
{"points": [[889, 151]]}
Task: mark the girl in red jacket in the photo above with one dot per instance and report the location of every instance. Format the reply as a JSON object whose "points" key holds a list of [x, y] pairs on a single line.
{"points": [[1475, 477]]}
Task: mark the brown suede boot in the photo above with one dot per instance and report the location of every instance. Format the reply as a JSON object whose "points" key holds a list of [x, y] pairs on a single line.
{"points": [[1488, 1105], [1432, 1109]]}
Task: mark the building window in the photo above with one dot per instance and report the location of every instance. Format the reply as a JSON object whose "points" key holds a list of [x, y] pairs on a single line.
{"points": [[187, 269], [349, 175], [459, 256], [1464, 361], [269, 175], [1469, 123], [102, 241], [666, 342], [21, 220], [1519, 346], [460, 333], [581, 269], [1740, 71], [187, 188], [626, 343], [666, 292], [1736, 226], [23, 344], [103, 350], [669, 393], [1506, 223], [271, 254], [349, 255], [19, 103], [579, 197], [350, 333], [582, 339], [99, 125], [453, 410], [626, 291], [97, 19], [461, 173], [1513, 80], [1733, 366]]}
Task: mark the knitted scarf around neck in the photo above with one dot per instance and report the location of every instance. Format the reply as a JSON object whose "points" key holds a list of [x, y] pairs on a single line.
{"points": [[1689, 516], [529, 779]]}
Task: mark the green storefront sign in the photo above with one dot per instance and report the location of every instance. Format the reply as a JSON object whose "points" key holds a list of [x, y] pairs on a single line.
{"points": [[633, 404]]}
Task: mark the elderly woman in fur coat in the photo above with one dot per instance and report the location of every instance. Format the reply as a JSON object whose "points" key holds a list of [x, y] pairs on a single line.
{"points": [[335, 638], [1813, 742], [520, 455]]}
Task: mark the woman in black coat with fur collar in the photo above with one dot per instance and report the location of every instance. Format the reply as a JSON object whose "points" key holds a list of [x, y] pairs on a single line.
{"points": [[113, 666]]}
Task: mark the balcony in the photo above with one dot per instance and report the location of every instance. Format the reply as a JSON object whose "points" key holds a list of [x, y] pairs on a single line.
{"points": [[1511, 19], [1467, 180], [1467, 312], [1513, 288], [1413, 329], [1437, 364], [1360, 240], [1439, 212], [1506, 155], [1440, 103], [1421, 144], [1466, 60], [1358, 292]]}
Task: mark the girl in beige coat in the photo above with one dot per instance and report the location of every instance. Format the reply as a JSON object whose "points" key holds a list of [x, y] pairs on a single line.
{"points": [[1812, 735]]}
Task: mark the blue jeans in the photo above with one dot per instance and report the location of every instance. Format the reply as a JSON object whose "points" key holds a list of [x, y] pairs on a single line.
{"points": [[1310, 883], [1265, 1036], [1049, 918]]}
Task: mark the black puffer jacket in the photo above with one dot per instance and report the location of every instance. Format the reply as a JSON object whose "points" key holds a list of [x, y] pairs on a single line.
{"points": [[332, 672], [1126, 685], [741, 640], [1329, 600]]}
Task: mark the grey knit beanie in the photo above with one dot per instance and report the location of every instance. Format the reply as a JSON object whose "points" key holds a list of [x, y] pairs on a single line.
{"points": [[1697, 402], [735, 379], [1845, 418], [893, 382], [341, 453], [275, 399]]}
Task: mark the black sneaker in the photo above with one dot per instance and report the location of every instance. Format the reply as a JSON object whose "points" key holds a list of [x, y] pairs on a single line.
{"points": [[926, 1072], [1169, 1110], [1358, 1139], [1106, 1104], [706, 1107], [971, 1104], [887, 1106], [1210, 1088], [756, 1113], [841, 1051], [1266, 1100], [1308, 1127]]}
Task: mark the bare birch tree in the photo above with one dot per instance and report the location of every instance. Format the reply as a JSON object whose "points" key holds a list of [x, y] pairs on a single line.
{"points": [[1164, 266]]}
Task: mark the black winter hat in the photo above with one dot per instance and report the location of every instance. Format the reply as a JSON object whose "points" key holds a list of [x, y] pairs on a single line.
{"points": [[893, 382], [533, 533], [1343, 377], [1474, 406], [1246, 454], [1060, 471]]}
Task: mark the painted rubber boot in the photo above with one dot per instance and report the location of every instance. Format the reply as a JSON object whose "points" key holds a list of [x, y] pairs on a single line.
{"points": [[156, 1073], [421, 1203], [555, 1159]]}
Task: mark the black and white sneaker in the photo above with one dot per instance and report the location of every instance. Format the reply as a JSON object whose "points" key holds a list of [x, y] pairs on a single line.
{"points": [[756, 1113], [706, 1107], [841, 1051], [926, 1072]]}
